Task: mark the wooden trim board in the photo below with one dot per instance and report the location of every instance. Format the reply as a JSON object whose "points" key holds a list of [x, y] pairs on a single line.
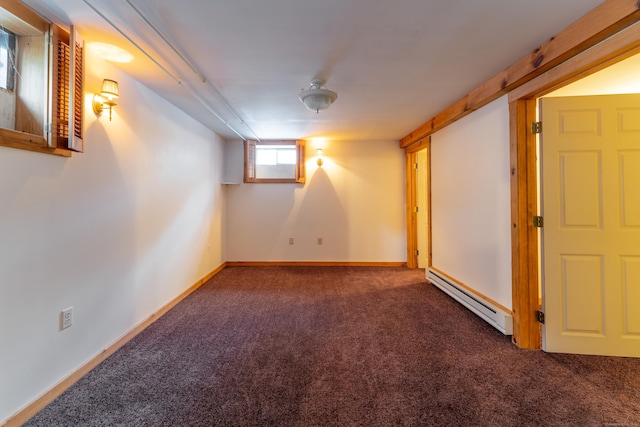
{"points": [[313, 264], [607, 34], [411, 197], [39, 403], [605, 20], [411, 216], [524, 238], [524, 173], [616, 48]]}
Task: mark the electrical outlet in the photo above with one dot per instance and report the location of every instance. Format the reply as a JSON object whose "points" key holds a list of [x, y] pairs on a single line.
{"points": [[291, 240], [66, 318], [319, 240]]}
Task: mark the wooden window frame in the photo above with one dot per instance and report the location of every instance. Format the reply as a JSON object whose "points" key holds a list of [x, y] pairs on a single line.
{"points": [[62, 108], [250, 165], [11, 75]]}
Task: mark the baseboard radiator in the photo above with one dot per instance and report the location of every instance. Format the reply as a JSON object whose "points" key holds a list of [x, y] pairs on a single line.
{"points": [[495, 316]]}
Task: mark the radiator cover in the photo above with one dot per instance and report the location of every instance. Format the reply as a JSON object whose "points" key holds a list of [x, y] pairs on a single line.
{"points": [[495, 316]]}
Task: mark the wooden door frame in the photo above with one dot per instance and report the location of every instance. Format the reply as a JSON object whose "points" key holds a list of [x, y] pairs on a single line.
{"points": [[524, 172], [424, 171], [606, 35], [411, 157]]}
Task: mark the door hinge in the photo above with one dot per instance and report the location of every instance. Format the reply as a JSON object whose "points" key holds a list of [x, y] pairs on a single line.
{"points": [[415, 165], [536, 127], [417, 208], [538, 221], [539, 316], [417, 252]]}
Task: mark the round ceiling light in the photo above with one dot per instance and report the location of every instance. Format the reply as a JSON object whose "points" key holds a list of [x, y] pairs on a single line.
{"points": [[317, 98]]}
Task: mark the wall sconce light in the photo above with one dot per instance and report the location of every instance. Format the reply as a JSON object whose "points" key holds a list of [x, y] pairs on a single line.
{"points": [[319, 160], [104, 99]]}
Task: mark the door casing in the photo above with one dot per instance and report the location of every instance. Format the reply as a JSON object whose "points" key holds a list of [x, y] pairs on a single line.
{"points": [[603, 37], [524, 173]]}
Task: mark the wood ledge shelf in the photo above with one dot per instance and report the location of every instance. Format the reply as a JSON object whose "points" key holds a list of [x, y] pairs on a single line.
{"points": [[24, 141]]}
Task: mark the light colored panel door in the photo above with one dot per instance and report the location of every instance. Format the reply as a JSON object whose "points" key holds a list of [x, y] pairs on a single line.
{"points": [[591, 236], [423, 209]]}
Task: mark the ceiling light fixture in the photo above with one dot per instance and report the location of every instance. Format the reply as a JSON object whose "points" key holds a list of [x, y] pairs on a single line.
{"points": [[319, 160], [317, 98]]}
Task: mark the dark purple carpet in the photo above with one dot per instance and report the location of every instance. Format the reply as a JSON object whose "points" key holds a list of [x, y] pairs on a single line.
{"points": [[339, 346]]}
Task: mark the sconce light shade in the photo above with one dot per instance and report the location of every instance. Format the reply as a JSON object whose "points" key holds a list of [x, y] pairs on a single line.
{"points": [[317, 98], [319, 160], [109, 89], [104, 99]]}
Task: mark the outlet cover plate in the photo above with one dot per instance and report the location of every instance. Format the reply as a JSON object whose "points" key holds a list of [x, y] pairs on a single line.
{"points": [[66, 318]]}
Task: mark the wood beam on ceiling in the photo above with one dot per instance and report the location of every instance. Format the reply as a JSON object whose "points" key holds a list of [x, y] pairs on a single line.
{"points": [[605, 20], [524, 178], [616, 48]]}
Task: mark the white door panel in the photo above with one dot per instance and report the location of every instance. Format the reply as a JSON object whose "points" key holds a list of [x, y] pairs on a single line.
{"points": [[590, 172]]}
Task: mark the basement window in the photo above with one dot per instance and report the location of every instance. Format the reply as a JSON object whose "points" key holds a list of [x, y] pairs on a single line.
{"points": [[274, 162], [7, 59], [41, 77]]}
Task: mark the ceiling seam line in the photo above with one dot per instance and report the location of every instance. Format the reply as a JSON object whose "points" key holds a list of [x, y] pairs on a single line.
{"points": [[226, 103], [193, 68], [208, 107], [176, 79], [123, 34], [167, 42]]}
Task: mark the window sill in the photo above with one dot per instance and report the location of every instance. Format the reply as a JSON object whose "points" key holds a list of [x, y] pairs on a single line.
{"points": [[274, 181], [25, 141]]}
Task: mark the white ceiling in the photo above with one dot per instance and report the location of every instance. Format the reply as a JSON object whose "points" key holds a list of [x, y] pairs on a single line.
{"points": [[394, 64]]}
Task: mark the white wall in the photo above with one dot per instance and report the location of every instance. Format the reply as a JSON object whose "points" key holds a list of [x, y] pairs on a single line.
{"points": [[355, 202], [116, 232], [470, 201], [620, 78]]}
